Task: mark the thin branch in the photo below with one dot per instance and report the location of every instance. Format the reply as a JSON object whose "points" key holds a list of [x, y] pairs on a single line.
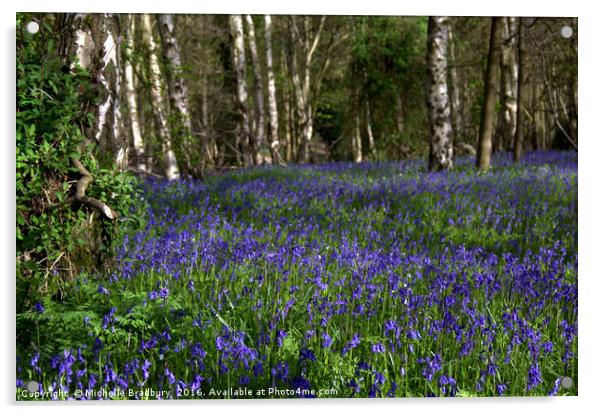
{"points": [[549, 95], [314, 45]]}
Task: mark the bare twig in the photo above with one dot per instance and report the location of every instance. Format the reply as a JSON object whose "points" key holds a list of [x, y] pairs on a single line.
{"points": [[554, 109]]}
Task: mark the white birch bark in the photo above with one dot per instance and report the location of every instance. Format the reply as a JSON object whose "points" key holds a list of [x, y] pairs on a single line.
{"points": [[371, 144], [286, 106], [177, 90], [170, 162], [259, 130], [273, 138], [399, 121], [130, 93], [456, 110], [509, 79], [301, 78], [108, 130], [441, 148], [244, 131], [356, 139]]}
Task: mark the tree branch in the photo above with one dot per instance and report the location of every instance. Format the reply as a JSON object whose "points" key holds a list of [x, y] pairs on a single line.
{"points": [[80, 193]]}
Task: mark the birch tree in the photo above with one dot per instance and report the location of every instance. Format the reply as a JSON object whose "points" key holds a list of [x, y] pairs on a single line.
{"points": [[356, 138], [130, 93], [520, 95], [273, 137], [488, 111], [509, 80], [243, 136], [177, 91], [169, 158], [259, 130], [307, 44], [371, 144], [456, 110], [441, 148], [98, 50]]}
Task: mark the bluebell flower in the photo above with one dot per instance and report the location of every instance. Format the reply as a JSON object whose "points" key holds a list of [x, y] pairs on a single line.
{"points": [[103, 290], [378, 348], [170, 376], [326, 340], [534, 376]]}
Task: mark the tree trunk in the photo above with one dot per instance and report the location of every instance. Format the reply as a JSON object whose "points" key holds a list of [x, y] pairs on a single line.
{"points": [[130, 93], [169, 157], [520, 96], [509, 81], [301, 78], [208, 145], [488, 111], [456, 109], [371, 145], [286, 104], [273, 137], [97, 50], [243, 130], [441, 148], [356, 138], [399, 121], [88, 50], [178, 95], [259, 131]]}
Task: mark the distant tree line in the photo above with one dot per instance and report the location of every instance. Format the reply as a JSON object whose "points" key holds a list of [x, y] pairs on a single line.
{"points": [[181, 94]]}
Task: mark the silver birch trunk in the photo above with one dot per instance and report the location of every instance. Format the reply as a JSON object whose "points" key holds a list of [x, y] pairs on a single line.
{"points": [[509, 79], [371, 145], [356, 139], [244, 131], [520, 97], [399, 114], [97, 49], [441, 148], [301, 78], [259, 129], [286, 104], [273, 138], [130, 93], [170, 162], [176, 87], [208, 144], [456, 109]]}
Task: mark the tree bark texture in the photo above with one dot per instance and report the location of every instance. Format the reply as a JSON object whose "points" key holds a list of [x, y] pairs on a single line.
{"points": [[509, 81], [441, 148], [243, 129], [273, 137], [171, 169], [486, 128], [132, 101], [178, 94], [520, 95]]}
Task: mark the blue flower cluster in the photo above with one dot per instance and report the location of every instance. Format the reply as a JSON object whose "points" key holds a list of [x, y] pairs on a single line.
{"points": [[372, 279]]}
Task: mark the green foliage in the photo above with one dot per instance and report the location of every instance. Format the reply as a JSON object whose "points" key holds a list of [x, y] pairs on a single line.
{"points": [[385, 64], [56, 238]]}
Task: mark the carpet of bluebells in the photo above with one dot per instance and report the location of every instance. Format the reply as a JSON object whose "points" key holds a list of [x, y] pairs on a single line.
{"points": [[332, 280]]}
